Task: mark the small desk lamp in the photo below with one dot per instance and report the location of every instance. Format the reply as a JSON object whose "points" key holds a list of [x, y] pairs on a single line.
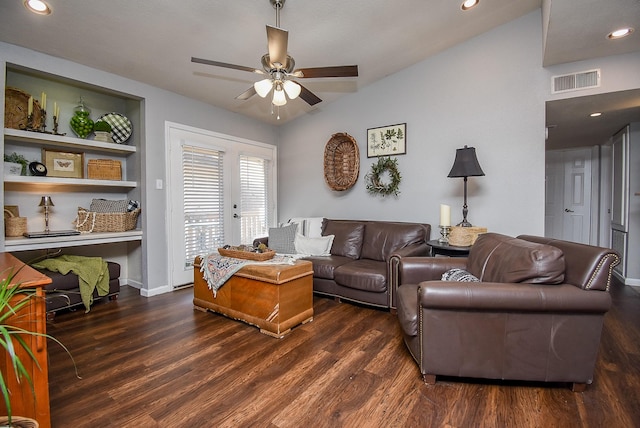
{"points": [[46, 202], [465, 165]]}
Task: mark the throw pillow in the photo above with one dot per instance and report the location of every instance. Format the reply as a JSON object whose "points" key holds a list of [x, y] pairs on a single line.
{"points": [[314, 246], [107, 206], [281, 239], [459, 275]]}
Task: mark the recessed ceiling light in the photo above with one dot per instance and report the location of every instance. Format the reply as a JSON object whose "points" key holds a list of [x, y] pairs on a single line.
{"points": [[596, 114], [37, 6], [622, 32], [468, 4]]}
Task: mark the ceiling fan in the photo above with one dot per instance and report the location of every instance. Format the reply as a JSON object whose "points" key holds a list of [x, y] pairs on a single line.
{"points": [[280, 69]]}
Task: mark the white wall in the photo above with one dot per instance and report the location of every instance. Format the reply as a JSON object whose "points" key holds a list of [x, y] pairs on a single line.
{"points": [[487, 93], [159, 106]]}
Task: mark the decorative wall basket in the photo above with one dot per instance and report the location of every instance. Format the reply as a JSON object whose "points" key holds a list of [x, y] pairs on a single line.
{"points": [[341, 162]]}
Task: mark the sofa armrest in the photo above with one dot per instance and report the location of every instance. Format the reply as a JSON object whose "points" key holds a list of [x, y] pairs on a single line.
{"points": [[521, 297]]}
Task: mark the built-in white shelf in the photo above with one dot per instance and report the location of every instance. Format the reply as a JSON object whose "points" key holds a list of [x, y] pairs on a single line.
{"points": [[43, 182], [25, 244], [42, 139]]}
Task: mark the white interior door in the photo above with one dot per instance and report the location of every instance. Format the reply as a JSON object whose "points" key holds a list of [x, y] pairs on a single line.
{"points": [[221, 190], [568, 195]]}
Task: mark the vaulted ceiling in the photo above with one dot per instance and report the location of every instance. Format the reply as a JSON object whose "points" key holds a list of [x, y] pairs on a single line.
{"points": [[153, 42]]}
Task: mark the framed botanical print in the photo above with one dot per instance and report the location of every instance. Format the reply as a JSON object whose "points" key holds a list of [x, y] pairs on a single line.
{"points": [[387, 140]]}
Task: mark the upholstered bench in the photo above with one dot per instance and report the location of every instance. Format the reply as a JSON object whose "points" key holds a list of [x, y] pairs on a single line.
{"points": [[64, 290]]}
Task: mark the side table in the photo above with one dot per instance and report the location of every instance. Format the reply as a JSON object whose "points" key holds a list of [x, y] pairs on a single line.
{"points": [[438, 248]]}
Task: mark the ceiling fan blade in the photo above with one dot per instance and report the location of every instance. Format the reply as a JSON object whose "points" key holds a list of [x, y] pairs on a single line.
{"points": [[226, 65], [308, 96], [278, 40], [339, 71], [247, 94]]}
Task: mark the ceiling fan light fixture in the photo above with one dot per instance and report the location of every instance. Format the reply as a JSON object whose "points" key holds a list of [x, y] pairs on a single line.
{"points": [[263, 87], [292, 89], [279, 99]]}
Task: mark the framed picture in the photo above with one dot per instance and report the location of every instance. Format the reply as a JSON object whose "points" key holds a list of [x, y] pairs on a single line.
{"points": [[63, 164], [387, 141]]}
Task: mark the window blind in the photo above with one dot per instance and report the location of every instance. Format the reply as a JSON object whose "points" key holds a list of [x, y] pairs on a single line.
{"points": [[253, 198], [202, 170]]}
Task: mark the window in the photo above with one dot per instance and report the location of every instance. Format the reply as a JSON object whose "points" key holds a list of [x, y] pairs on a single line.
{"points": [[253, 198], [202, 171]]}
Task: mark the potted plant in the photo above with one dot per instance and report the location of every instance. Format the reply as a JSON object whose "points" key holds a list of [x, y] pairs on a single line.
{"points": [[15, 164], [12, 300], [102, 131]]}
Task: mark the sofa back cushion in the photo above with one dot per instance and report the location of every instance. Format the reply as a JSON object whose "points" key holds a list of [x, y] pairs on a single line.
{"points": [[348, 237], [381, 239], [500, 258]]}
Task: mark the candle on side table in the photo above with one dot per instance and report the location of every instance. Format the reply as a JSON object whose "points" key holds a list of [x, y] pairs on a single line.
{"points": [[445, 215]]}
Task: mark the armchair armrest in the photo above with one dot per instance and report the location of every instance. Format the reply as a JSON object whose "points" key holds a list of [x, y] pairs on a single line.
{"points": [[413, 270], [414, 250], [521, 297]]}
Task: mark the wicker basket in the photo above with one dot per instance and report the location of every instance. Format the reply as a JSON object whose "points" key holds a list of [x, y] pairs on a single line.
{"points": [[104, 169], [341, 162], [14, 226], [90, 221], [465, 236], [247, 255], [16, 103]]}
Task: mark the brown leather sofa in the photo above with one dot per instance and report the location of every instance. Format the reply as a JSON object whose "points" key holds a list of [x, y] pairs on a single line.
{"points": [[536, 313], [363, 256]]}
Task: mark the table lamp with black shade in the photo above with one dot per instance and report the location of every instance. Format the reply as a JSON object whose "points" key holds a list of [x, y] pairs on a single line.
{"points": [[465, 165]]}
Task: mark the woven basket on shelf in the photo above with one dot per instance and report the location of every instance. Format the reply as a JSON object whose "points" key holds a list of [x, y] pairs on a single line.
{"points": [[341, 162], [465, 236], [14, 226], [90, 221], [104, 169], [16, 102]]}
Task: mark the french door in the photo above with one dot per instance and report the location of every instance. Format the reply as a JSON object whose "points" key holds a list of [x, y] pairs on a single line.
{"points": [[222, 190]]}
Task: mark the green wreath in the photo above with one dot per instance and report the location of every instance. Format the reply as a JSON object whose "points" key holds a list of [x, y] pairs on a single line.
{"points": [[375, 185]]}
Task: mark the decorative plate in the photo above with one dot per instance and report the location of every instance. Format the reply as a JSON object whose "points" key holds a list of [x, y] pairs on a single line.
{"points": [[341, 161], [121, 127], [16, 103]]}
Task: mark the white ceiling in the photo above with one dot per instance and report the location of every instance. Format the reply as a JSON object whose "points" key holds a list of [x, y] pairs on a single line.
{"points": [[155, 45]]}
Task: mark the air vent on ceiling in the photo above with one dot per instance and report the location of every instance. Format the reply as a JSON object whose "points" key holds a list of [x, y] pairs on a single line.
{"points": [[575, 81]]}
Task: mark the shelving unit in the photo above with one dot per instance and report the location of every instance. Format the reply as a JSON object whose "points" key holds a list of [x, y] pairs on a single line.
{"points": [[70, 193]]}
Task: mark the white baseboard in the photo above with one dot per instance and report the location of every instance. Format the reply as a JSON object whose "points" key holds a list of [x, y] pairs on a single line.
{"points": [[634, 282], [155, 291]]}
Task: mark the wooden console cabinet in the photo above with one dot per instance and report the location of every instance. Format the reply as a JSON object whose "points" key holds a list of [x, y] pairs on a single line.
{"points": [[32, 317]]}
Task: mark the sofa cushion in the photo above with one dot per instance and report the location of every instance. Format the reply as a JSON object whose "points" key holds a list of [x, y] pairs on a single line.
{"points": [[381, 239], [324, 267], [363, 274], [281, 239], [500, 258], [348, 237]]}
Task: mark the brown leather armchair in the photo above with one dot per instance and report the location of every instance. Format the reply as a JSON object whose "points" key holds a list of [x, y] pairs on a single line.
{"points": [[536, 313]]}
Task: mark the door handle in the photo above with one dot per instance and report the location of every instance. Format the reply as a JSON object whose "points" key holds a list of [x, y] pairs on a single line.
{"points": [[567, 210], [236, 216]]}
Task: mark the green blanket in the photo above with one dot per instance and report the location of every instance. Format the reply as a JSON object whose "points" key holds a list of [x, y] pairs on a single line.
{"points": [[92, 272]]}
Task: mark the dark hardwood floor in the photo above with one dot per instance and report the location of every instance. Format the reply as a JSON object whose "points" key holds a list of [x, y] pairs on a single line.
{"points": [[157, 362]]}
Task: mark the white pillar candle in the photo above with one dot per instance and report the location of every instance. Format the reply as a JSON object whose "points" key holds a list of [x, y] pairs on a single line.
{"points": [[30, 106], [445, 215]]}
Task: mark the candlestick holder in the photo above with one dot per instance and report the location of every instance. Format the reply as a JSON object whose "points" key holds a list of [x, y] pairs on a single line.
{"points": [[43, 121], [55, 124], [444, 234], [29, 122]]}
